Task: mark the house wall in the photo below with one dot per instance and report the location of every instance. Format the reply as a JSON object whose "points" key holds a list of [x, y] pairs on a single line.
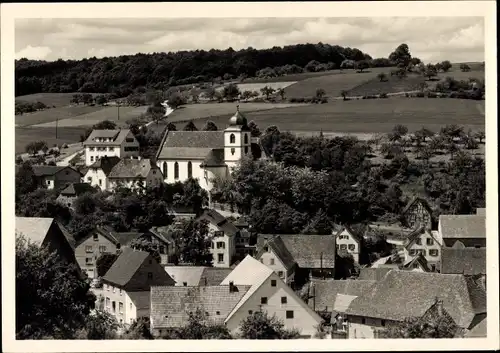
{"points": [[278, 265], [418, 214], [412, 251], [115, 294], [345, 241], [96, 177], [229, 247], [94, 153], [364, 327], [234, 151], [304, 319], [129, 147], [99, 246], [66, 176], [48, 181]]}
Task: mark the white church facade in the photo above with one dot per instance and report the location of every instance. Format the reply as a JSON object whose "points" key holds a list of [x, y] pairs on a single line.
{"points": [[203, 155]]}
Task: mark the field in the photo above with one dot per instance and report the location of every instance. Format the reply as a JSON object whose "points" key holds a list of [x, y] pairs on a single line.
{"points": [[25, 135], [391, 85], [367, 116], [49, 99], [257, 86]]}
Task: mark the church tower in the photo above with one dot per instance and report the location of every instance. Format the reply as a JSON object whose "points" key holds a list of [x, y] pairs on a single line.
{"points": [[237, 139]]}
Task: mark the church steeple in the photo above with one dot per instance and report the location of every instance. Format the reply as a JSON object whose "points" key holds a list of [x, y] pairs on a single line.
{"points": [[238, 119]]}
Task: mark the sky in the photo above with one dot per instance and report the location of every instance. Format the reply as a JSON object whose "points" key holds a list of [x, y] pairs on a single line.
{"points": [[458, 39]]}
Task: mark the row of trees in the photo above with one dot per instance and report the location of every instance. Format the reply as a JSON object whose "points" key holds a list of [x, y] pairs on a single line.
{"points": [[23, 107]]}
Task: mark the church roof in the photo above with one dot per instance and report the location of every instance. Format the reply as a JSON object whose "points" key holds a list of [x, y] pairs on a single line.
{"points": [[190, 144], [238, 120]]}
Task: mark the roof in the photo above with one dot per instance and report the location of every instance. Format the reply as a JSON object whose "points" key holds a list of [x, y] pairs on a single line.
{"points": [[414, 201], [105, 163], [358, 236], [214, 158], [212, 276], [47, 170], [480, 330], [117, 136], [185, 274], [190, 144], [404, 294], [421, 260], [311, 251], [76, 189], [141, 299], [132, 168], [462, 226], [33, 228], [373, 274], [125, 266], [280, 250], [170, 306], [467, 261], [219, 220], [325, 292], [124, 238], [69, 237]]}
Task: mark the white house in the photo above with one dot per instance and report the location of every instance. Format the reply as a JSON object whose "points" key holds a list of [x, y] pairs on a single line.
{"points": [[349, 241], [426, 243], [203, 155], [97, 173], [110, 143]]}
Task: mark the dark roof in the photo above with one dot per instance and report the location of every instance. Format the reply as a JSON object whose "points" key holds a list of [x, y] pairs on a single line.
{"points": [[124, 238], [280, 250], [190, 144], [125, 266], [467, 261], [215, 158], [213, 276], [462, 226], [105, 163], [414, 201], [219, 220], [170, 306], [373, 274], [69, 237], [405, 294], [141, 299], [47, 170], [76, 189], [117, 136], [132, 168]]}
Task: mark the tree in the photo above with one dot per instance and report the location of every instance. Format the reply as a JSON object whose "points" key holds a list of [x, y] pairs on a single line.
{"points": [[260, 325], [401, 56], [254, 129], [320, 93], [246, 95], [398, 131], [156, 112], [362, 65], [281, 93], [25, 180], [190, 126], [218, 96], [422, 86], [267, 91], [430, 71], [195, 94], [139, 330], [231, 92], [176, 100], [36, 146], [452, 131], [104, 263], [193, 242], [75, 99], [319, 224], [344, 93], [382, 77], [52, 298], [464, 67], [210, 126], [480, 135], [424, 133], [210, 93], [147, 246], [446, 66], [100, 325], [198, 328], [101, 99]]}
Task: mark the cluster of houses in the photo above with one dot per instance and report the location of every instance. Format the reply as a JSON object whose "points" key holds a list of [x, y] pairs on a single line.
{"points": [[434, 265]]}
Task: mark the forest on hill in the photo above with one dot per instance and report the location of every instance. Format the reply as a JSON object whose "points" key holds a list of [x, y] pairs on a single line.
{"points": [[121, 75]]}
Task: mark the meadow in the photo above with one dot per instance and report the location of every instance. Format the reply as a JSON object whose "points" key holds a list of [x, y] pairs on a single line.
{"points": [[25, 135], [49, 99]]}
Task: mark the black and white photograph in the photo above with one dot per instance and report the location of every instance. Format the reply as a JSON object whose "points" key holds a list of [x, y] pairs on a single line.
{"points": [[251, 175]]}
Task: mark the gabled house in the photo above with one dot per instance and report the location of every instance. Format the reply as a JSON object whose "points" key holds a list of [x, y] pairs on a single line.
{"points": [[245, 240], [55, 177], [299, 256], [98, 172], [407, 294], [185, 275], [417, 213], [134, 174], [467, 261], [424, 242], [349, 241], [463, 231], [268, 293], [222, 233], [161, 237], [70, 193], [418, 263], [127, 285], [48, 233], [110, 143]]}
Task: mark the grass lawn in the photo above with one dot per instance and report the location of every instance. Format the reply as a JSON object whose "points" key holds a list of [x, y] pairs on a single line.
{"points": [[49, 115], [391, 85], [25, 135], [457, 74], [49, 99], [367, 116]]}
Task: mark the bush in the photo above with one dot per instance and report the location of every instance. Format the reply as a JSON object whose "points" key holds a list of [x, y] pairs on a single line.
{"points": [[65, 145], [383, 95], [324, 100], [407, 95], [420, 95], [431, 95]]}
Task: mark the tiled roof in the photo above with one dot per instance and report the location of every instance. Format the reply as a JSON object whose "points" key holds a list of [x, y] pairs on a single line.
{"points": [[373, 274], [323, 293], [219, 220], [33, 228], [478, 331], [76, 189], [215, 158], [213, 276], [141, 299], [190, 144], [405, 294], [125, 266], [47, 170], [311, 251], [185, 274], [463, 226], [132, 168], [280, 250], [170, 306], [69, 237], [467, 261], [105, 163], [117, 136]]}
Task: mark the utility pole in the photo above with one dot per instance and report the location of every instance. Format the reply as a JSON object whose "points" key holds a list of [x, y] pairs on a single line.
{"points": [[57, 121], [118, 106]]}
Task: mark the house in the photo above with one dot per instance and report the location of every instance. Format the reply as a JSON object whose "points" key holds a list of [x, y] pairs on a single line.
{"points": [[407, 294], [418, 263], [161, 237], [185, 275], [425, 242], [212, 276], [204, 155], [463, 231], [98, 172], [349, 241], [47, 232], [134, 174], [171, 306], [127, 285], [296, 257], [55, 177], [222, 233], [467, 261], [268, 293], [245, 240], [110, 143], [417, 213], [71, 192]]}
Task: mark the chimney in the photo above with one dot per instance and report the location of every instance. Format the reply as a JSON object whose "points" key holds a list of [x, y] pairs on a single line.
{"points": [[231, 287], [205, 278]]}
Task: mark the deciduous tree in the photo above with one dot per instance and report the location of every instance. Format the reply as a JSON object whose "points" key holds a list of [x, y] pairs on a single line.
{"points": [[260, 325]]}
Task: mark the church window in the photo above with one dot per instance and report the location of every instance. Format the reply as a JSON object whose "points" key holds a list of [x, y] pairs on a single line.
{"points": [[190, 170], [165, 170], [176, 170], [232, 151], [232, 138], [246, 138], [246, 149]]}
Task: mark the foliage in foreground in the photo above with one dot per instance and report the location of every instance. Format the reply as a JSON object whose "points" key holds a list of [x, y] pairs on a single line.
{"points": [[260, 325]]}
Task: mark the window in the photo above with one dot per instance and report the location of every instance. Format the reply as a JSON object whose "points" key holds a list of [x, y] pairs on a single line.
{"points": [[433, 252], [415, 265], [221, 245], [111, 149], [413, 252], [280, 273], [382, 323], [100, 182], [273, 283], [271, 262], [113, 306], [220, 257], [232, 138], [91, 149], [289, 314], [129, 139], [477, 246], [263, 300], [283, 300], [108, 287], [88, 261], [217, 313], [176, 170], [150, 275], [363, 321], [89, 179], [108, 301], [219, 233], [190, 170], [246, 149], [48, 182], [419, 241], [120, 307], [130, 149], [423, 252], [246, 138], [266, 248], [261, 260], [250, 312], [338, 246], [95, 237], [232, 151], [102, 248], [184, 284], [351, 247], [343, 246], [212, 245], [430, 241], [88, 248], [130, 306], [165, 170], [114, 289]]}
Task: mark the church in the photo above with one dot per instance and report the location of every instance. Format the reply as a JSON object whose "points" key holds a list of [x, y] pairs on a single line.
{"points": [[203, 155]]}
